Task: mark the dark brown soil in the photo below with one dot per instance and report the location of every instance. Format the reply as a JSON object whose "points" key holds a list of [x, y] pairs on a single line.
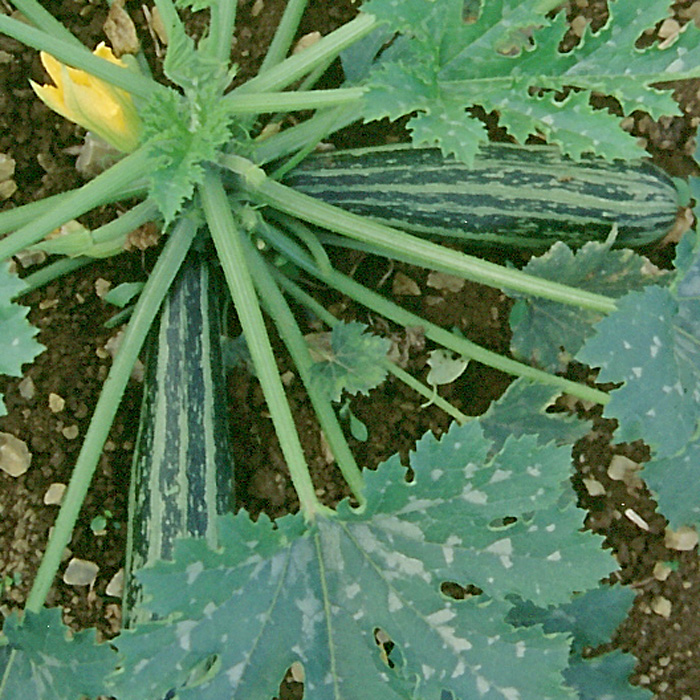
{"points": [[70, 317]]}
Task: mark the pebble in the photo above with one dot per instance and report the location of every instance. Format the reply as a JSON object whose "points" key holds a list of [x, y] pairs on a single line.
{"points": [[682, 540], [54, 494], [661, 606], [80, 572], [15, 457]]}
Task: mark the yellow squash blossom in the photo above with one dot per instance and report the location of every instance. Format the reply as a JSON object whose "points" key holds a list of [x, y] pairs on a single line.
{"points": [[96, 105]]}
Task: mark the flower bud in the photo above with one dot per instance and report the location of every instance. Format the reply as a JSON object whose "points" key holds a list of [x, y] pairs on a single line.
{"points": [[94, 104]]}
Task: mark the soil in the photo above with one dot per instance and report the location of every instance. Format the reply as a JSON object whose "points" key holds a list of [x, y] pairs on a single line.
{"points": [[70, 316]]}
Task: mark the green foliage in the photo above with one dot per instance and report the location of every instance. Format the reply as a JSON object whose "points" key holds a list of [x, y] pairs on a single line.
{"points": [[509, 61], [548, 334], [489, 504], [601, 677], [51, 663], [651, 345], [17, 344], [524, 409], [315, 592], [350, 360], [185, 131], [670, 478], [605, 677]]}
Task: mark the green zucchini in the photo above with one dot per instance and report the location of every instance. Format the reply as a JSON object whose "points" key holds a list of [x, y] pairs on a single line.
{"points": [[182, 473], [521, 196]]}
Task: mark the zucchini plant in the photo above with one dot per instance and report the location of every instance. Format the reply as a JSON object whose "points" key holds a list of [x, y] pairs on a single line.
{"points": [[489, 504]]}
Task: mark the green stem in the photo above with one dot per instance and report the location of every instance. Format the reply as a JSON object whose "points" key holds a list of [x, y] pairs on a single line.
{"points": [[307, 300], [81, 58], [170, 18], [221, 26], [15, 218], [51, 272], [392, 311], [145, 311], [257, 103], [284, 34], [226, 236], [298, 137], [297, 66], [325, 126], [411, 248], [430, 394], [45, 21], [77, 202], [104, 241], [286, 324]]}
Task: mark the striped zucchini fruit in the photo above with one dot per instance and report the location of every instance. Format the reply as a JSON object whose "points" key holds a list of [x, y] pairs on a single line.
{"points": [[182, 474], [522, 196]]}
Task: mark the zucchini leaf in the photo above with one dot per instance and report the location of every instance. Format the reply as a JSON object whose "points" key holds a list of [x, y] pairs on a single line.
{"points": [[673, 481], [317, 592], [347, 359], [523, 409], [17, 343], [548, 334], [651, 344], [50, 662], [508, 60], [602, 677], [605, 677]]}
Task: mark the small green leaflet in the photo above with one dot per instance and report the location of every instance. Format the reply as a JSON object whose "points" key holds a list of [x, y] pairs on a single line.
{"points": [[17, 344], [445, 367], [50, 663], [446, 62], [651, 343], [541, 328], [348, 359], [315, 592]]}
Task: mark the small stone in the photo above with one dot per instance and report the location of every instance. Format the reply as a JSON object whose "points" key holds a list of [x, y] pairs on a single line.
{"points": [[403, 285], [116, 585], [120, 30], [661, 606], [441, 280], [7, 188], [56, 403], [682, 540], [7, 166], [80, 572], [661, 571], [54, 494], [306, 41], [594, 487], [27, 388], [15, 457], [622, 468], [102, 286], [297, 672], [70, 432], [578, 25]]}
